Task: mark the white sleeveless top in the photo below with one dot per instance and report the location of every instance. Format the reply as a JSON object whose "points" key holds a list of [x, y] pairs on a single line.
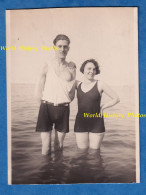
{"points": [[56, 90]]}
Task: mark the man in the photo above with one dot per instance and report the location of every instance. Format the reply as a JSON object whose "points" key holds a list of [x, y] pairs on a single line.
{"points": [[55, 89]]}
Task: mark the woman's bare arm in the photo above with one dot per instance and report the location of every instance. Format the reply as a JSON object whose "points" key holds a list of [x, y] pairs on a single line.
{"points": [[109, 92]]}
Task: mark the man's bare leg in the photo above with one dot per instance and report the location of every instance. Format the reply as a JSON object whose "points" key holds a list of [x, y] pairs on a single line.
{"points": [[56, 142], [46, 142], [60, 138]]}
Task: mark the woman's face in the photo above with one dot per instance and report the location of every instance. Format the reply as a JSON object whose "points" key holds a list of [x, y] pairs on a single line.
{"points": [[89, 71]]}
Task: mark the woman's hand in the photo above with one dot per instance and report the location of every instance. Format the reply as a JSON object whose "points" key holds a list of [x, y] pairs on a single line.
{"points": [[101, 110]]}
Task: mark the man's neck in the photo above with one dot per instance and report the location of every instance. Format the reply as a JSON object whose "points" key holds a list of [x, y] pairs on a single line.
{"points": [[60, 60]]}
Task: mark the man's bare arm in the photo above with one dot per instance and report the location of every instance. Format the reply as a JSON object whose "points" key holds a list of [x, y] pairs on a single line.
{"points": [[41, 83]]}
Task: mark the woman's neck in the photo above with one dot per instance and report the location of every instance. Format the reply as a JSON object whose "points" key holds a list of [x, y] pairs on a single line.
{"points": [[88, 81]]}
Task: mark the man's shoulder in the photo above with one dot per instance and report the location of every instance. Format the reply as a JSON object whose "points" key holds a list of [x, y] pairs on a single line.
{"points": [[44, 68], [51, 61], [71, 65]]}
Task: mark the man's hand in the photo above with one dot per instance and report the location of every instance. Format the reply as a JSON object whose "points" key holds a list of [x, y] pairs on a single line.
{"points": [[72, 69], [38, 100]]}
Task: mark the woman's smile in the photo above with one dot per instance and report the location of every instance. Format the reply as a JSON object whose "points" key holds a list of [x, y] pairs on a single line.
{"points": [[89, 70]]}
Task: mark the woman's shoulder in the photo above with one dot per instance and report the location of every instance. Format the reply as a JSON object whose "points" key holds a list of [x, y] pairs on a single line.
{"points": [[77, 83], [100, 85], [101, 82]]}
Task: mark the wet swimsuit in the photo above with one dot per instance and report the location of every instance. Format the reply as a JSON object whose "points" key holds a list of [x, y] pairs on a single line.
{"points": [[54, 108], [50, 114], [87, 119]]}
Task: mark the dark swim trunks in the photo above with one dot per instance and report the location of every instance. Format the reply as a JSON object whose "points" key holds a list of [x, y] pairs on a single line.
{"points": [[89, 103], [49, 115]]}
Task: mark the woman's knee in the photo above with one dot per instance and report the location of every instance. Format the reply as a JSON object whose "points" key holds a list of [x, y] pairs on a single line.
{"points": [[95, 140], [82, 140]]}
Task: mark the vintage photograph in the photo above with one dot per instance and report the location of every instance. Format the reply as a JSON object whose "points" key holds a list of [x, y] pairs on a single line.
{"points": [[72, 95]]}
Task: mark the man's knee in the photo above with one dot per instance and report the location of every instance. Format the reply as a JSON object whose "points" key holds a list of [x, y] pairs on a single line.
{"points": [[61, 136], [46, 142]]}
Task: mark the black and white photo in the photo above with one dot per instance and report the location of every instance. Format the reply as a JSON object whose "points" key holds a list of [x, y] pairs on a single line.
{"points": [[72, 95]]}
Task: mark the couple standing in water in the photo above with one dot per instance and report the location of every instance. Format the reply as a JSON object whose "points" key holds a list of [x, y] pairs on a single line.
{"points": [[55, 90]]}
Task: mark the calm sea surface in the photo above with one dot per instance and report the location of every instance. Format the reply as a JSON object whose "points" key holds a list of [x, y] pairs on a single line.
{"points": [[115, 163]]}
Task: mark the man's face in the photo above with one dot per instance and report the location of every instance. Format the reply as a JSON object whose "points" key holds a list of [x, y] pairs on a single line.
{"points": [[63, 48]]}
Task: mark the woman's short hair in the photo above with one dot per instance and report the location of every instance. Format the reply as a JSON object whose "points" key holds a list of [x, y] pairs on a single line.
{"points": [[90, 61], [61, 37]]}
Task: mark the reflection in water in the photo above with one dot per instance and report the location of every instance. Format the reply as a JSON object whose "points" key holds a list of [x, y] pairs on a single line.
{"points": [[84, 167], [52, 169], [87, 167]]}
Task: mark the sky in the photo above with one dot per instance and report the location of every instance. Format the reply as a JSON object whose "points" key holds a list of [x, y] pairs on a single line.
{"points": [[108, 35]]}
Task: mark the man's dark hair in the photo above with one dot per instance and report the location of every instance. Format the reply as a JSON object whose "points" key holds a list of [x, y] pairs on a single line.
{"points": [[61, 37], [92, 61]]}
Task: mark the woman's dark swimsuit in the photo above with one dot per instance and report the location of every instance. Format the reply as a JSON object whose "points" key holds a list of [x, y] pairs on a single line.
{"points": [[89, 104]]}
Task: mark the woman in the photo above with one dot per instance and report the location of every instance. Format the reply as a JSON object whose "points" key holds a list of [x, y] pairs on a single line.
{"points": [[89, 125]]}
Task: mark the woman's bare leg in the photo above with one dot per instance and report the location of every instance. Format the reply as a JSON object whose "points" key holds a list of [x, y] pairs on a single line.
{"points": [[82, 140], [95, 140], [46, 142]]}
